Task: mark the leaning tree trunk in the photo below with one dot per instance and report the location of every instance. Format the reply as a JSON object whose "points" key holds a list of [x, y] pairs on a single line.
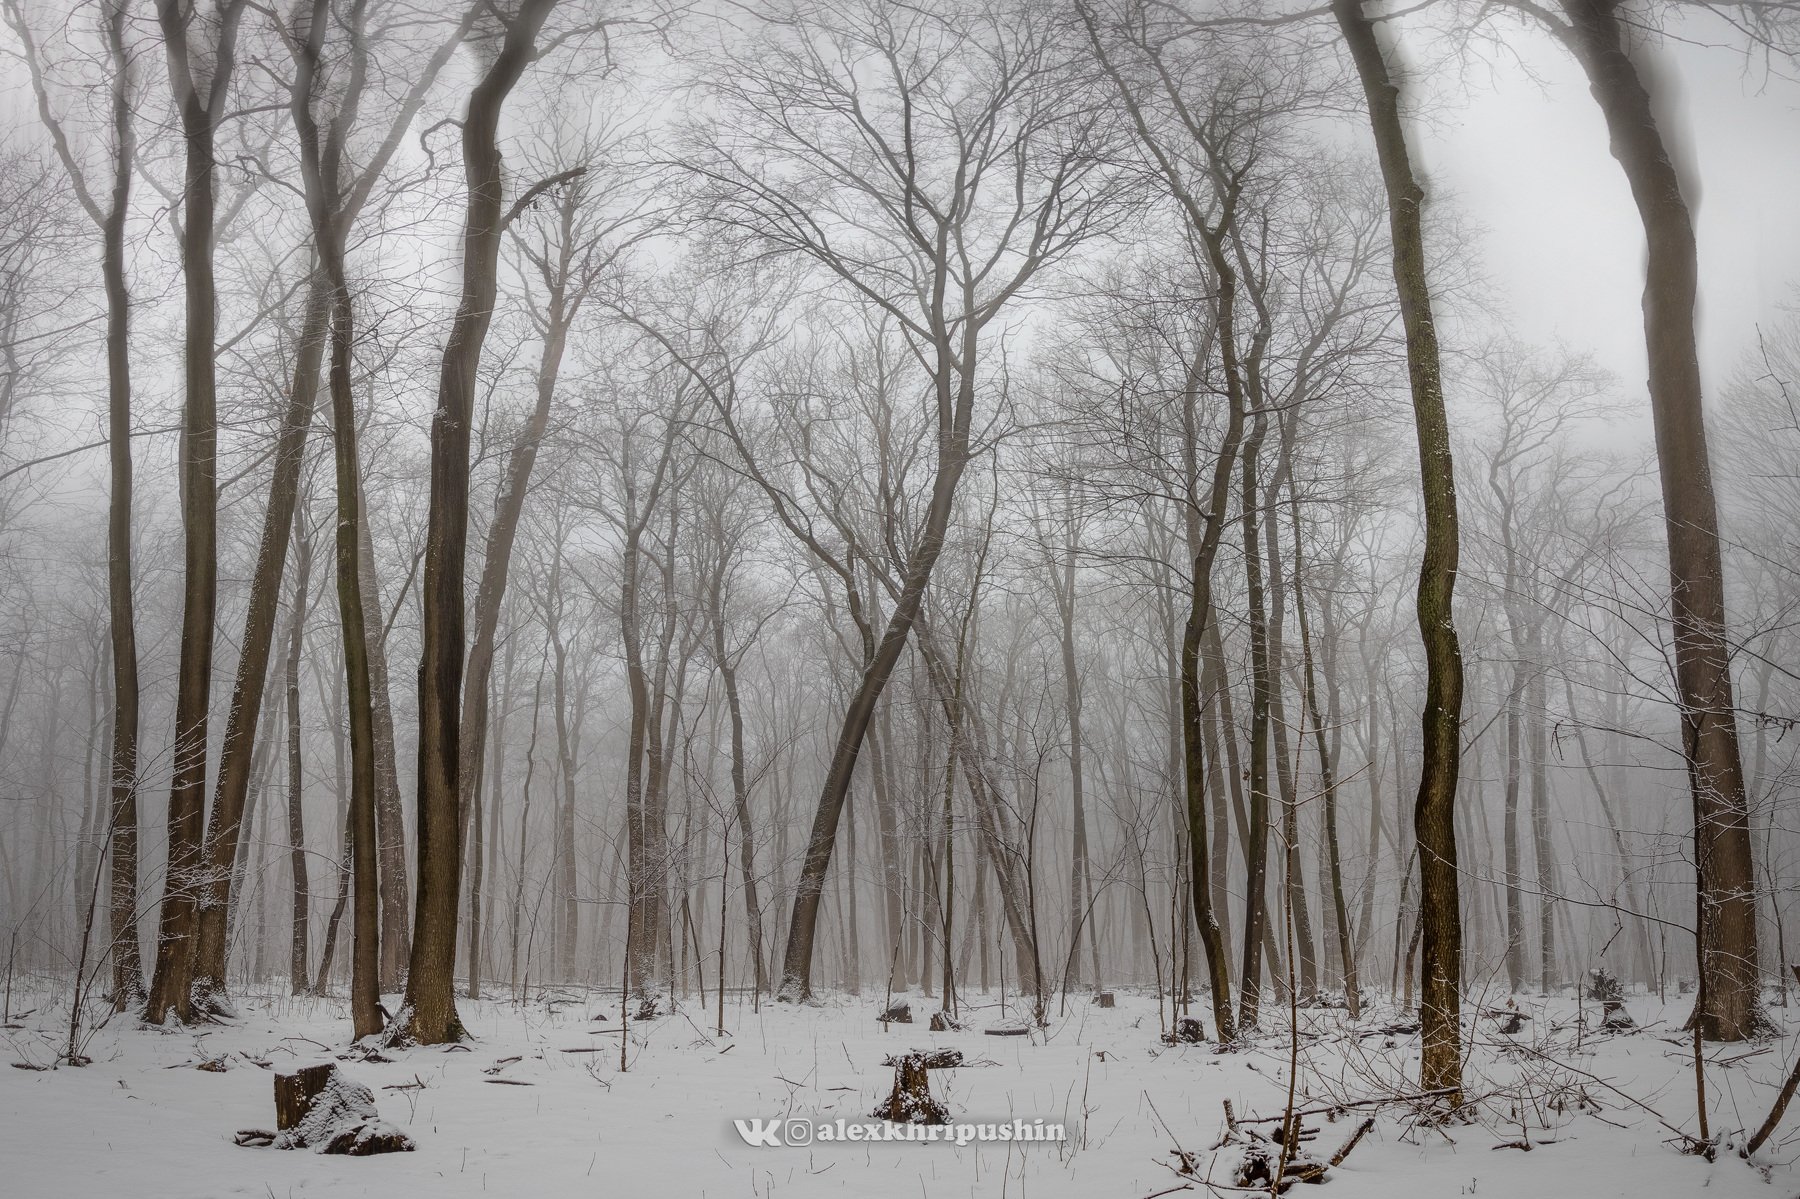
{"points": [[199, 102], [431, 981], [1731, 1006], [956, 396], [237, 751], [1440, 911]]}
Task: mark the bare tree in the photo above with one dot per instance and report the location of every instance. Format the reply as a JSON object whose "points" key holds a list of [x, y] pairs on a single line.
{"points": [[932, 161], [200, 43], [110, 218], [1434, 810], [430, 984]]}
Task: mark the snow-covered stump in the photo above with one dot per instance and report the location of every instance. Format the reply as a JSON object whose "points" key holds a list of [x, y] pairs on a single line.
{"points": [[912, 1101], [320, 1108]]}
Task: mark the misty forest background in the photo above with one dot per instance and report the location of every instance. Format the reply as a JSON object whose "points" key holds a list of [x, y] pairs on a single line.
{"points": [[842, 495]]}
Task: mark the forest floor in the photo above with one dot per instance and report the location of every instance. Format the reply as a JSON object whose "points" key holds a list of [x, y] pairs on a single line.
{"points": [[142, 1120]]}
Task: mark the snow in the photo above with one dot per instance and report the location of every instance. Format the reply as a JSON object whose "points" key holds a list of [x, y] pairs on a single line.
{"points": [[142, 1121]]}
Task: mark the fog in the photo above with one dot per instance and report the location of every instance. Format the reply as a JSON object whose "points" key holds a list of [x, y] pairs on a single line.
{"points": [[825, 503]]}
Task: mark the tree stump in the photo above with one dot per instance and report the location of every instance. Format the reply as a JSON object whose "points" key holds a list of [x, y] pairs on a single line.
{"points": [[911, 1101], [898, 1012], [1104, 999], [319, 1108], [1611, 994], [941, 1022], [1187, 1031], [295, 1093]]}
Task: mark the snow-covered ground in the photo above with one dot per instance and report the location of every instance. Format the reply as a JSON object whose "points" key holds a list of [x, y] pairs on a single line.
{"points": [[141, 1120]]}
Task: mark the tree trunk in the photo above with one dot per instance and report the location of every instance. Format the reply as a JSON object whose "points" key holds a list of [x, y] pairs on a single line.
{"points": [[1515, 903], [128, 969], [1440, 913], [1732, 1009], [199, 102], [953, 383], [431, 977], [237, 750], [1080, 870], [1327, 772], [1256, 845], [302, 900], [509, 507], [1537, 744], [740, 788], [390, 817]]}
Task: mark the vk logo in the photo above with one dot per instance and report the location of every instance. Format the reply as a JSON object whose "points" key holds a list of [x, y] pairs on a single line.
{"points": [[760, 1133]]}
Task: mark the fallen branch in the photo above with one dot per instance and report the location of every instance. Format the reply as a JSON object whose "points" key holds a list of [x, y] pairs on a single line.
{"points": [[1781, 1102], [1337, 1159], [1329, 1109]]}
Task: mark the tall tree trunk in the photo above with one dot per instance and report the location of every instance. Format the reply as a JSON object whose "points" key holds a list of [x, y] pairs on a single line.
{"points": [[953, 380], [474, 805], [431, 977], [888, 833], [1206, 530], [1256, 845], [198, 80], [1537, 743], [569, 912], [1080, 870], [128, 968], [509, 507], [321, 168], [740, 786], [1327, 770], [1732, 1005], [390, 816], [1515, 903], [518, 899], [237, 750], [1440, 912], [1286, 768], [296, 822]]}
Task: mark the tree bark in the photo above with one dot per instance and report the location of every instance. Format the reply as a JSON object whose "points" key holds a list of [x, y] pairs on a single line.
{"points": [[1440, 912], [199, 100], [237, 751], [128, 969], [430, 984], [955, 388], [1256, 845], [1327, 772], [296, 822], [1732, 1009]]}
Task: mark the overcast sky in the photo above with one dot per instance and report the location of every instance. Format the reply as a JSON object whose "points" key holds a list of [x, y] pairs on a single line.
{"points": [[1527, 159]]}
